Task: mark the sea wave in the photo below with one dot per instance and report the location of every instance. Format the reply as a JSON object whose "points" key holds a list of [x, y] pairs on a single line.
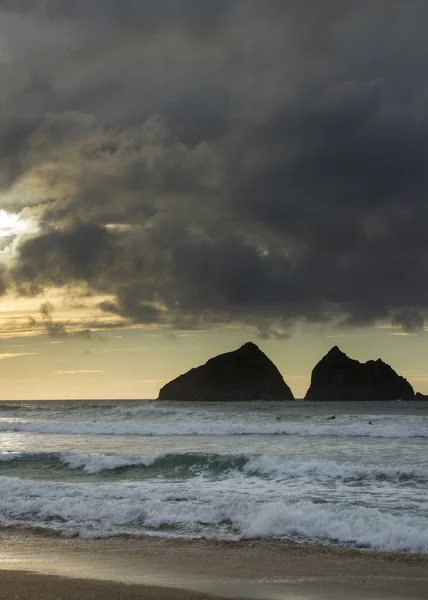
{"points": [[142, 410], [195, 508], [214, 428], [190, 464], [115, 411]]}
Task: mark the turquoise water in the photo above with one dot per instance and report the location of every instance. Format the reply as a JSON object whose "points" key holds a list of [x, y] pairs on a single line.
{"points": [[257, 470]]}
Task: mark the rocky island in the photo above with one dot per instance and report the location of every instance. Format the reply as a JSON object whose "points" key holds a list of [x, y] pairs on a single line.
{"points": [[244, 374], [338, 377]]}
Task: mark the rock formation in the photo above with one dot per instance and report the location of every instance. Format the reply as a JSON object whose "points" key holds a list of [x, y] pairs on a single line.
{"points": [[338, 377], [244, 374]]}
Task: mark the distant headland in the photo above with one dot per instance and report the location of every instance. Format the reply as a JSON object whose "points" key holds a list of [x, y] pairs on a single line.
{"points": [[248, 374]]}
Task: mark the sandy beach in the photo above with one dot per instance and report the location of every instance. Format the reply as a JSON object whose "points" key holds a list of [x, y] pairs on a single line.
{"points": [[36, 566]]}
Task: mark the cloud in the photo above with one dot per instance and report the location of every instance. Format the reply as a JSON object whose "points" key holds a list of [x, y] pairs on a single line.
{"points": [[4, 283], [58, 257], [224, 162], [53, 328], [119, 349], [78, 372], [141, 382], [132, 12], [411, 320], [6, 355], [402, 333], [20, 381]]}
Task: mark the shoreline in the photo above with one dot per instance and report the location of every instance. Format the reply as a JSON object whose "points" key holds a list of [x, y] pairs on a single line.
{"points": [[39, 533], [167, 569]]}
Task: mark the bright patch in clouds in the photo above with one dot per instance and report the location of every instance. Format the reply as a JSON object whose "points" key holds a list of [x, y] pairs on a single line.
{"points": [[11, 224]]}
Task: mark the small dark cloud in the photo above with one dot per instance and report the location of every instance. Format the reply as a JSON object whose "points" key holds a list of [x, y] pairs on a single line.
{"points": [[131, 306], [109, 307], [53, 328], [56, 328], [46, 310], [411, 320], [84, 333]]}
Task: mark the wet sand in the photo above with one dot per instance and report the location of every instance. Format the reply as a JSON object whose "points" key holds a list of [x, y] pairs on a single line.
{"points": [[37, 566], [27, 586]]}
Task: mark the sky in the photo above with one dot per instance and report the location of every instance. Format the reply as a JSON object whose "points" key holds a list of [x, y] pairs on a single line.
{"points": [[179, 177]]}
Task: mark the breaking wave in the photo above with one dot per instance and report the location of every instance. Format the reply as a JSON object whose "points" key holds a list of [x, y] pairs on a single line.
{"points": [[190, 464], [192, 509]]}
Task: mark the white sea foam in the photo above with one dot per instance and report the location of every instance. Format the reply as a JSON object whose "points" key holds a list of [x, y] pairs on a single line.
{"points": [[197, 508], [278, 466], [97, 464], [364, 526], [391, 430], [88, 463]]}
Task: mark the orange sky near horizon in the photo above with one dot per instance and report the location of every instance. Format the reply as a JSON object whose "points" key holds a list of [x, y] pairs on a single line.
{"points": [[134, 363]]}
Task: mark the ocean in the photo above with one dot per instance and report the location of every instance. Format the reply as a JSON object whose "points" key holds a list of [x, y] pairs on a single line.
{"points": [[285, 471]]}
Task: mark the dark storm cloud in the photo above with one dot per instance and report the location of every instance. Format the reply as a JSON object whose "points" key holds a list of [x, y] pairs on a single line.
{"points": [[58, 257], [222, 162], [129, 12], [410, 319], [4, 283], [130, 305]]}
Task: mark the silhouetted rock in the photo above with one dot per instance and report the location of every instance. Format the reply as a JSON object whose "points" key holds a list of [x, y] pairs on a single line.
{"points": [[338, 377], [245, 374], [419, 396]]}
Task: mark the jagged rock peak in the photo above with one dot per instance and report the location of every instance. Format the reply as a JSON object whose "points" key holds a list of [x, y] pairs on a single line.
{"points": [[336, 354], [243, 374], [335, 351], [249, 347], [338, 377]]}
